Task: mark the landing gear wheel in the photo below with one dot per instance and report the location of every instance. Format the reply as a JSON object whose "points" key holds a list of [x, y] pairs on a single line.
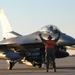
{"points": [[40, 65], [10, 65]]}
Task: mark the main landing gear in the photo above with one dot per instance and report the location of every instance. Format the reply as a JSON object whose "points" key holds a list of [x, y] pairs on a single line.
{"points": [[10, 64]]}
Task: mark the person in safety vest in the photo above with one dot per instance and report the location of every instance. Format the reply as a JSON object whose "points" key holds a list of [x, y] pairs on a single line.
{"points": [[50, 49]]}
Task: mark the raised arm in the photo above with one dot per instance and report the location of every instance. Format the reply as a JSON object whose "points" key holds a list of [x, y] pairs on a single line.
{"points": [[57, 37], [43, 40]]}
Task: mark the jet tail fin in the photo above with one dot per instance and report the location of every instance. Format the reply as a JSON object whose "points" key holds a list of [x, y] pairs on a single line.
{"points": [[6, 28]]}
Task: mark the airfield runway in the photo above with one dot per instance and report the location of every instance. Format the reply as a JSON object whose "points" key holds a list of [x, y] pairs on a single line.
{"points": [[65, 66]]}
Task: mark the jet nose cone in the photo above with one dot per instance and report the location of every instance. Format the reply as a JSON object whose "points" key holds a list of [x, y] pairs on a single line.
{"points": [[66, 40]]}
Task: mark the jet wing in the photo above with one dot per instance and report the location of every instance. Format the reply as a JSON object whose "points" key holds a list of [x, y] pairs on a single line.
{"points": [[9, 41], [29, 39]]}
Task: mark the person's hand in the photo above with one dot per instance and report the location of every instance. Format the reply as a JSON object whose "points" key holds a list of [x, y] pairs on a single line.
{"points": [[56, 31], [39, 34]]}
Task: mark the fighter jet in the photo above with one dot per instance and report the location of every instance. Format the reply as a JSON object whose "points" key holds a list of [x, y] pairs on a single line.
{"points": [[29, 49]]}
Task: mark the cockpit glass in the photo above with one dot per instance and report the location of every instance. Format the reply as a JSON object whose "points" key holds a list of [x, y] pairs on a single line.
{"points": [[49, 29]]}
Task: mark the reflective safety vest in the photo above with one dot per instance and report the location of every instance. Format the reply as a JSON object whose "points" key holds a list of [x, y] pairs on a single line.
{"points": [[49, 43]]}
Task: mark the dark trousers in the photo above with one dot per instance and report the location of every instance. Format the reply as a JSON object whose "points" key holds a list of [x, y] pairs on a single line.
{"points": [[50, 58]]}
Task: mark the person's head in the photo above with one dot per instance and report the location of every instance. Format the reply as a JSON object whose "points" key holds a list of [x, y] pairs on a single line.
{"points": [[49, 37]]}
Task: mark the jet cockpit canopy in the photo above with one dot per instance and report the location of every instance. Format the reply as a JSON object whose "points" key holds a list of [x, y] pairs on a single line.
{"points": [[49, 29]]}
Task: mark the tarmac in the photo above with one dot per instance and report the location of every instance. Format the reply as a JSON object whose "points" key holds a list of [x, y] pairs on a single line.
{"points": [[65, 66]]}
